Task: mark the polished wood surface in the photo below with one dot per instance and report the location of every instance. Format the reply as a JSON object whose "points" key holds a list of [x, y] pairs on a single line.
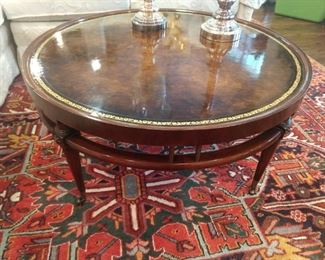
{"points": [[169, 77]]}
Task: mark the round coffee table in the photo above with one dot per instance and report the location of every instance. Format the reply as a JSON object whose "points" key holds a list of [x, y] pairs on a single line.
{"points": [[168, 88]]}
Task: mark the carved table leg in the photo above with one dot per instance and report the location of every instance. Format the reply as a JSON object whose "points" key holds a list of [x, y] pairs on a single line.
{"points": [[61, 132], [266, 156]]}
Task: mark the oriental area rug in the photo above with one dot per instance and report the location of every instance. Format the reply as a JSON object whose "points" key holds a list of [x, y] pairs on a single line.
{"points": [[203, 214]]}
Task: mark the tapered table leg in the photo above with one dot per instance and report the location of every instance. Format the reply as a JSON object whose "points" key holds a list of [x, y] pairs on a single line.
{"points": [[61, 133], [73, 159], [266, 156]]}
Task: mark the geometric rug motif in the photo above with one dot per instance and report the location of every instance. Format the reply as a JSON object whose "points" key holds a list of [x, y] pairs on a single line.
{"points": [[138, 214]]}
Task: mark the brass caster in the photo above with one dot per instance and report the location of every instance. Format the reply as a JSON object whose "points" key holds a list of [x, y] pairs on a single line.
{"points": [[252, 192], [81, 201]]}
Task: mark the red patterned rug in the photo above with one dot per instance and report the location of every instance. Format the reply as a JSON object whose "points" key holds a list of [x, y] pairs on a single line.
{"points": [[204, 214]]}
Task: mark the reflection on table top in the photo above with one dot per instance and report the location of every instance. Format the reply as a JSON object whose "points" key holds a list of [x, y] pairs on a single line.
{"points": [[101, 66]]}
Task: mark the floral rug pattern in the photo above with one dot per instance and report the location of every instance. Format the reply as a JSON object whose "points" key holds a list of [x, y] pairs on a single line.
{"points": [[204, 214]]}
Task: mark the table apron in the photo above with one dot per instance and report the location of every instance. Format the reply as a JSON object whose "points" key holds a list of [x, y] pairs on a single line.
{"points": [[178, 162]]}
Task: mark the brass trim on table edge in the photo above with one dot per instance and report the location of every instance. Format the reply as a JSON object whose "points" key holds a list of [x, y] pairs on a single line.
{"points": [[103, 115]]}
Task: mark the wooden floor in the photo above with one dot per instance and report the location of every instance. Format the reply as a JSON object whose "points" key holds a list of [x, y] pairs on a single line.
{"points": [[309, 36]]}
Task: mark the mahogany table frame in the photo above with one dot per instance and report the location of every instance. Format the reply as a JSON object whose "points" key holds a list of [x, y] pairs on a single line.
{"points": [[66, 123]]}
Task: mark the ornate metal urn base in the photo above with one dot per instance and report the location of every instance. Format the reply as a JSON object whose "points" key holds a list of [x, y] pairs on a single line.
{"points": [[222, 26], [149, 18]]}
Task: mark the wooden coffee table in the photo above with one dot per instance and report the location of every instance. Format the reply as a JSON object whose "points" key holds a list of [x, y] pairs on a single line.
{"points": [[98, 76]]}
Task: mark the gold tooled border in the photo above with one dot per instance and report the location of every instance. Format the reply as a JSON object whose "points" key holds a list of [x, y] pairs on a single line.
{"points": [[99, 114]]}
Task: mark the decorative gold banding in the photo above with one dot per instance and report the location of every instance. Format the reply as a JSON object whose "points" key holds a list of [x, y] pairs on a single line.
{"points": [[100, 114]]}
